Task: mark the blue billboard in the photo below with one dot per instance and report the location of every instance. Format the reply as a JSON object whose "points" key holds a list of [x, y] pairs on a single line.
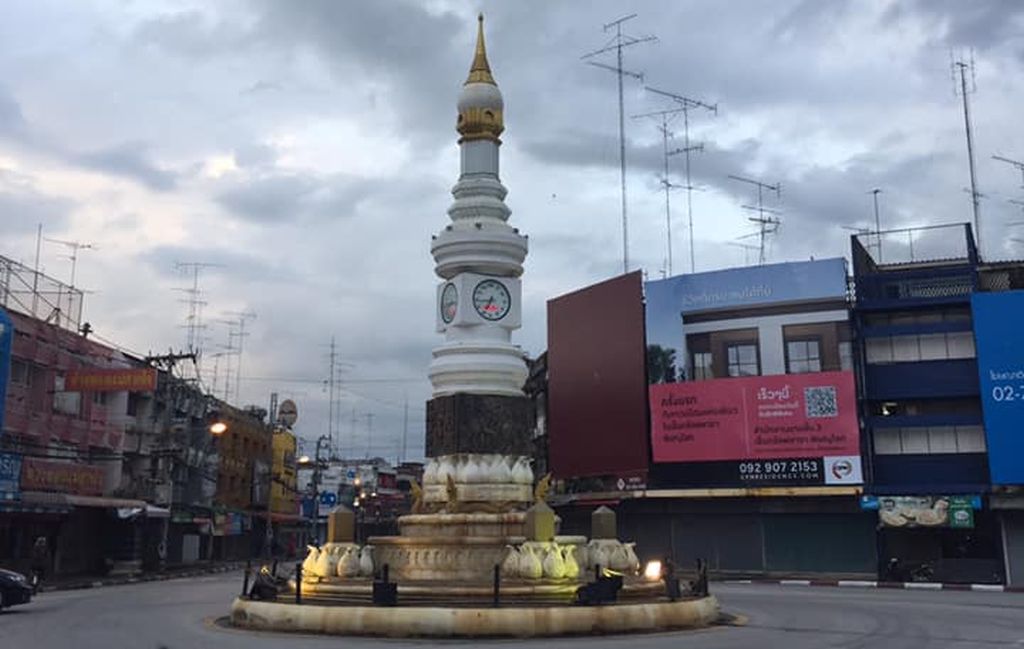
{"points": [[998, 318], [6, 338], [10, 476], [668, 300]]}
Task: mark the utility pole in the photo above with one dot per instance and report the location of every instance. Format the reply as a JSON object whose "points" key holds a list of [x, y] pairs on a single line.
{"points": [[405, 425], [330, 400], [766, 224], [618, 42], [685, 105], [960, 68], [369, 432]]}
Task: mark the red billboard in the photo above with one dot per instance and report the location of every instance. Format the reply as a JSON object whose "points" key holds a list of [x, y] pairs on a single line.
{"points": [[779, 429], [597, 387]]}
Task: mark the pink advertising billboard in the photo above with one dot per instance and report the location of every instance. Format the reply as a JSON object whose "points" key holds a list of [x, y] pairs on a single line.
{"points": [[779, 429]]}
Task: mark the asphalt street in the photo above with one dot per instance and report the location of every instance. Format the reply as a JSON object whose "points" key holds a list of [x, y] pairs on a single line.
{"points": [[179, 615]]}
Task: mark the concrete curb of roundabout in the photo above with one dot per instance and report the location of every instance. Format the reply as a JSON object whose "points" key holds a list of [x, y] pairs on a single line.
{"points": [[522, 622]]}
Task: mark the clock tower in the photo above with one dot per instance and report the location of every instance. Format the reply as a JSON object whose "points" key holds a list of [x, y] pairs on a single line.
{"points": [[478, 373]]}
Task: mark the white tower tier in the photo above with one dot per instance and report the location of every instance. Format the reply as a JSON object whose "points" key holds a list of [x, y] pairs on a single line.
{"points": [[479, 256]]}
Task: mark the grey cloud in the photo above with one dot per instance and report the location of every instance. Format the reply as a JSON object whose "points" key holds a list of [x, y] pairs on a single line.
{"points": [[22, 207], [128, 160], [11, 118], [293, 196]]}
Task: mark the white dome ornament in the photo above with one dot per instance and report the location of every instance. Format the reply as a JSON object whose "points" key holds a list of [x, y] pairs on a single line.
{"points": [[309, 564], [430, 472], [572, 567], [366, 561], [510, 566], [529, 565], [554, 565]]}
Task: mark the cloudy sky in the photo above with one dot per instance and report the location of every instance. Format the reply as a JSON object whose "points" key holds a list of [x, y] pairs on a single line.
{"points": [[308, 148]]}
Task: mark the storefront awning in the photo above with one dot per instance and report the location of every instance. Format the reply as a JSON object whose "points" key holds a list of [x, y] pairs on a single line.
{"points": [[72, 500]]}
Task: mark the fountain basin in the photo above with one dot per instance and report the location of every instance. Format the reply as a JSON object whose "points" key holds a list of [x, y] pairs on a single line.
{"points": [[511, 621]]}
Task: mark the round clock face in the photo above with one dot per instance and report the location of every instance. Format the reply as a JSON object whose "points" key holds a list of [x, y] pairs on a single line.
{"points": [[491, 299], [449, 302]]}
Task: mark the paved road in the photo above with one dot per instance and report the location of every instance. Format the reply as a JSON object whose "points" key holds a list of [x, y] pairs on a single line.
{"points": [[176, 615]]}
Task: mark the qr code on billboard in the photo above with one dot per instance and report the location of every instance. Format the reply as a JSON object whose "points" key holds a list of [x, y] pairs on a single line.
{"points": [[821, 402]]}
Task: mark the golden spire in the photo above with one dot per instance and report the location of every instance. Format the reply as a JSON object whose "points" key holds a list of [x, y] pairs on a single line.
{"points": [[480, 71], [480, 103]]}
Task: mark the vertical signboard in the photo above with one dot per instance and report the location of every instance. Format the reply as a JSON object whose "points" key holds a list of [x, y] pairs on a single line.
{"points": [[6, 338], [597, 402], [10, 476], [1000, 348]]}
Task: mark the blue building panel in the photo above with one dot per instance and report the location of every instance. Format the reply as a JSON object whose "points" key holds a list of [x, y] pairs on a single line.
{"points": [[921, 380], [998, 320], [960, 473]]}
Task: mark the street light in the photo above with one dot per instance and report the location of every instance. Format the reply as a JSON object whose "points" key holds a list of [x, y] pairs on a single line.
{"points": [[218, 428]]}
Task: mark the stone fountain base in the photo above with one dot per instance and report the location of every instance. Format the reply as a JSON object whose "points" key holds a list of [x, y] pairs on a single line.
{"points": [[467, 622]]}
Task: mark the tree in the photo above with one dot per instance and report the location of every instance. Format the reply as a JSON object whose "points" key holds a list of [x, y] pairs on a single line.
{"points": [[661, 364]]}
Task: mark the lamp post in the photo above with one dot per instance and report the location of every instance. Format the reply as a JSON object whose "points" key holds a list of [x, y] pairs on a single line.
{"points": [[320, 442]]}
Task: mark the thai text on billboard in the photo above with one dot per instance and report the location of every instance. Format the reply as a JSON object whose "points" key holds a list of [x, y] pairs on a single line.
{"points": [[790, 428], [111, 380], [1000, 349]]}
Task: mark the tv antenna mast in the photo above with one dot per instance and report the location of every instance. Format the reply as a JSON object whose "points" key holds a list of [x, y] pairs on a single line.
{"points": [[685, 105], [1020, 167], [617, 44], [960, 67], [746, 250], [878, 222], [74, 247], [664, 117], [766, 219], [240, 318], [193, 323]]}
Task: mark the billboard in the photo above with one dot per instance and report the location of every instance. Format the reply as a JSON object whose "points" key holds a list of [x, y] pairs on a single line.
{"points": [[668, 300], [6, 339], [791, 429], [1000, 349], [10, 476], [111, 380], [597, 389], [63, 477], [923, 511]]}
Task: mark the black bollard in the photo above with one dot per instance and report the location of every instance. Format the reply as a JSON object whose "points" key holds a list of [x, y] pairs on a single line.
{"points": [[245, 579], [497, 585], [298, 583]]}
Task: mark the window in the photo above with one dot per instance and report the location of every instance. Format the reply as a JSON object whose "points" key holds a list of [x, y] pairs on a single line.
{"points": [[702, 366], [68, 403], [846, 356], [803, 356], [929, 440], [920, 347], [20, 373], [743, 360]]}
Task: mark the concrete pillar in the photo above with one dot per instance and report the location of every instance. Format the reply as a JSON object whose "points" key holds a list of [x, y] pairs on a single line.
{"points": [[341, 525], [603, 524], [540, 523]]}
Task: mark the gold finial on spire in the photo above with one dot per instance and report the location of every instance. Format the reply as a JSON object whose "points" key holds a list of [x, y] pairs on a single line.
{"points": [[480, 71]]}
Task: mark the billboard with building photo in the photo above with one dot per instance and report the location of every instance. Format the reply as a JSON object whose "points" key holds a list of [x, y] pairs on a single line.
{"points": [[750, 377]]}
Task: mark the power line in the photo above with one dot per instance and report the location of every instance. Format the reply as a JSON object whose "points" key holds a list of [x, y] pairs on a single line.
{"points": [[618, 42]]}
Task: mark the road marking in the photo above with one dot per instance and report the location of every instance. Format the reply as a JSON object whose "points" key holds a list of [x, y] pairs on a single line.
{"points": [[795, 582], [992, 588], [858, 583], [921, 585]]}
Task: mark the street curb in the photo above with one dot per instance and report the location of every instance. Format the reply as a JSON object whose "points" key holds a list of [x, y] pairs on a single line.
{"points": [[138, 579], [896, 585]]}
